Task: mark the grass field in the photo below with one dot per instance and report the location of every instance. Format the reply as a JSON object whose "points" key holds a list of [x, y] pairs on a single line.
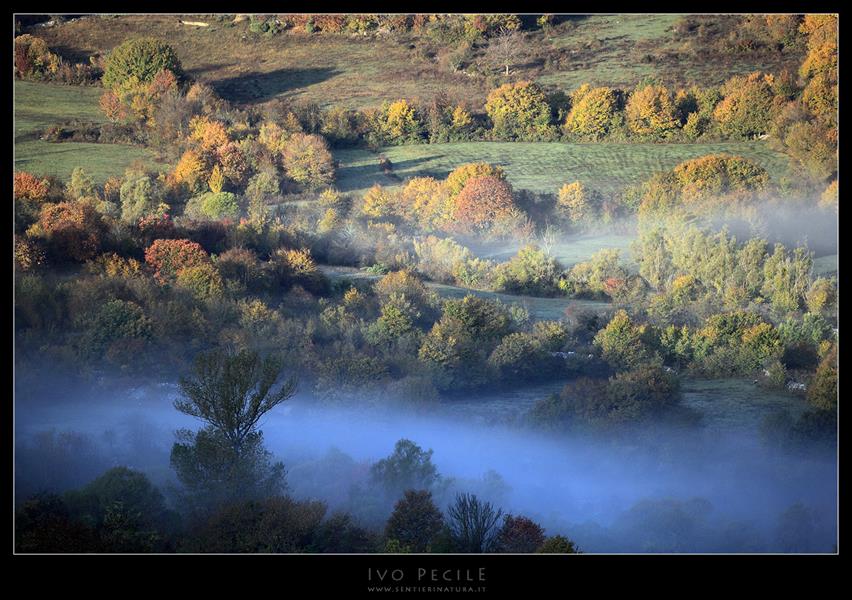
{"points": [[543, 167], [39, 105], [567, 249], [826, 265], [358, 71]]}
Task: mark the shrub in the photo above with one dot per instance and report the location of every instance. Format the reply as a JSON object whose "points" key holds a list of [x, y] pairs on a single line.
{"points": [[425, 201], [206, 134], [379, 203], [459, 177], [531, 271], [519, 111], [307, 160], [822, 392], [72, 230], [557, 544], [577, 203], [203, 281], [399, 123], [142, 58], [746, 108], [29, 187], [519, 357], [115, 320], [214, 206], [601, 275], [141, 196], [168, 257], [191, 171], [483, 203], [592, 112], [813, 146], [651, 112], [623, 343], [34, 58]]}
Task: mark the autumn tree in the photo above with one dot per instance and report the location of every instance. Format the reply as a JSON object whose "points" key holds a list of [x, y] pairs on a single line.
{"points": [[307, 160], [592, 112], [519, 111], [459, 176], [747, 105], [72, 230], [483, 203], [408, 467], [623, 343], [168, 257], [577, 203], [519, 535], [651, 111], [142, 58]]}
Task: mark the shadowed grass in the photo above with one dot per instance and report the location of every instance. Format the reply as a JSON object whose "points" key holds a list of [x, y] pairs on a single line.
{"points": [[543, 167]]}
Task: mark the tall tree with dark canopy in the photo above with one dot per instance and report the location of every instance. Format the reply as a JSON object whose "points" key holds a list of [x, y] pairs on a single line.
{"points": [[415, 521], [231, 392]]}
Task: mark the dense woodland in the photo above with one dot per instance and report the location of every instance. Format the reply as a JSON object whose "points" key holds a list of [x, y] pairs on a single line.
{"points": [[223, 272]]}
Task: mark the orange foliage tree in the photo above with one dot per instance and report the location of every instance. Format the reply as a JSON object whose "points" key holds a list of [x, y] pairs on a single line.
{"points": [[168, 257], [72, 229], [29, 187], [482, 203]]}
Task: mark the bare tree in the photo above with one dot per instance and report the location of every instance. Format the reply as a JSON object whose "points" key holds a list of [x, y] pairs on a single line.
{"points": [[505, 48], [473, 523]]}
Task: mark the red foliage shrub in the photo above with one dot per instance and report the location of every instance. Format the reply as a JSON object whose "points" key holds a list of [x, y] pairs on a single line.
{"points": [[169, 257]]}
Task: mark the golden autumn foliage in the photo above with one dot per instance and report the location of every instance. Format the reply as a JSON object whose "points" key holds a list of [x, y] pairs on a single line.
{"points": [[457, 179], [398, 121], [426, 201], [830, 196], [651, 111], [518, 110], [216, 180], [592, 112], [576, 202], [206, 134], [272, 137], [378, 202], [747, 106], [190, 169], [137, 100], [711, 181], [307, 160]]}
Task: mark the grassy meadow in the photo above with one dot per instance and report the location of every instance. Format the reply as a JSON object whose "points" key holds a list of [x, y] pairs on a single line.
{"points": [[545, 166], [40, 105], [359, 71]]}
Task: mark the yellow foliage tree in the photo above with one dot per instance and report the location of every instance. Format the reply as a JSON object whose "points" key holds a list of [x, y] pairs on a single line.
{"points": [[651, 111], [592, 112], [216, 181], [379, 203], [457, 179], [190, 169]]}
